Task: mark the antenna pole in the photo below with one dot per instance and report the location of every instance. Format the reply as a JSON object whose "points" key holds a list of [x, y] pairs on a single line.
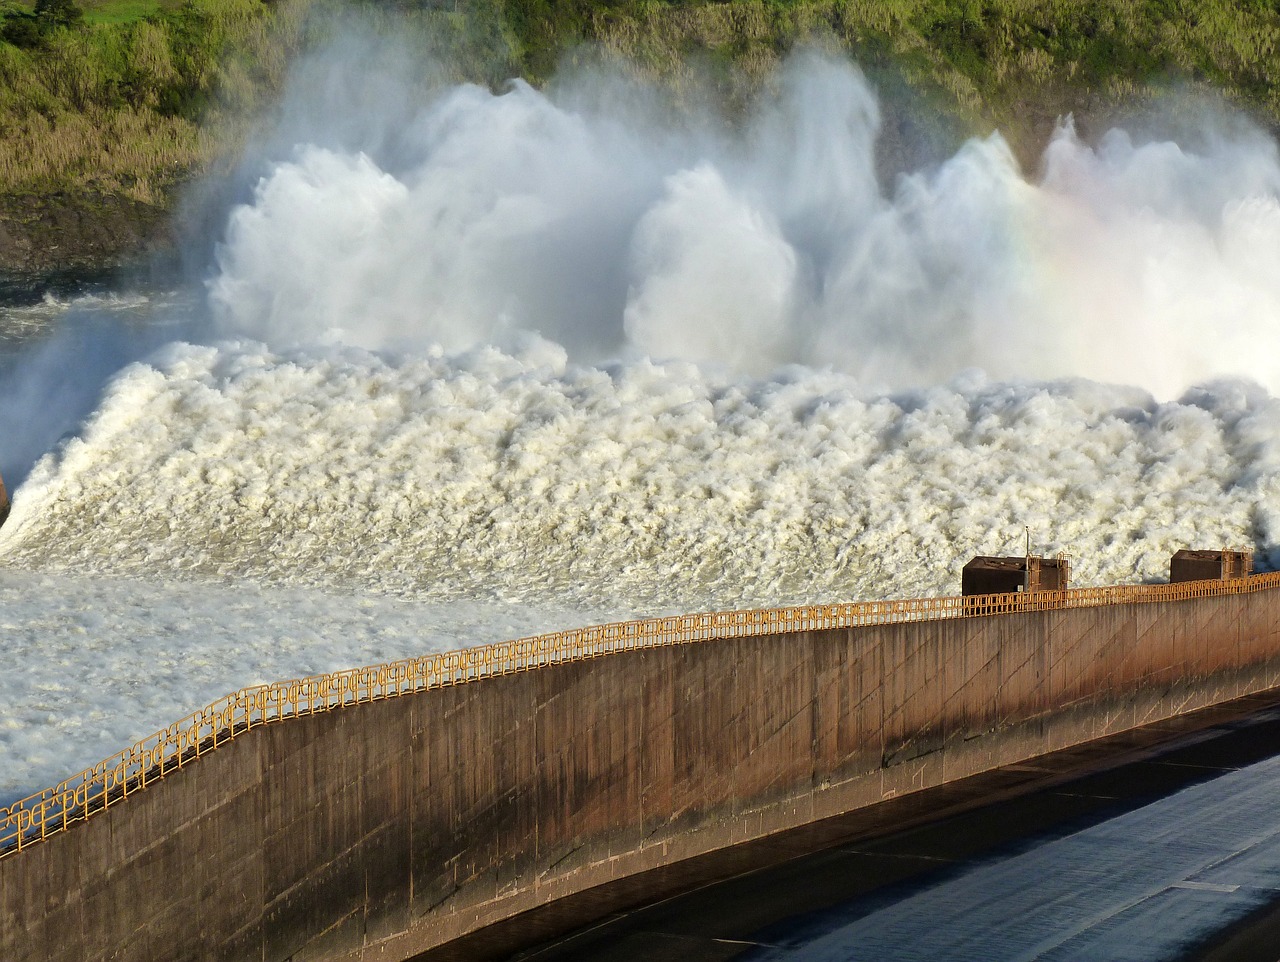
{"points": [[1026, 570]]}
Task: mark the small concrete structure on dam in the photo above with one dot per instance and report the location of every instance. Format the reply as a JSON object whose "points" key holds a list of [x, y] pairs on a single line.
{"points": [[378, 813]]}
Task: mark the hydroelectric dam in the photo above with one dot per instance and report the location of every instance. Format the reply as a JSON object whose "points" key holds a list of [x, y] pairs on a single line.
{"points": [[379, 813]]}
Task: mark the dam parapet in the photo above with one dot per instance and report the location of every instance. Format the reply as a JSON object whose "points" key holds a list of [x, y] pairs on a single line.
{"points": [[376, 813]]}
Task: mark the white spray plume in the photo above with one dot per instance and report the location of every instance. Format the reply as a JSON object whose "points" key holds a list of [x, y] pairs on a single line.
{"points": [[531, 235], [609, 230]]}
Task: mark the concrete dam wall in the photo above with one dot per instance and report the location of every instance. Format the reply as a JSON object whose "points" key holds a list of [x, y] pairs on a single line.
{"points": [[380, 829]]}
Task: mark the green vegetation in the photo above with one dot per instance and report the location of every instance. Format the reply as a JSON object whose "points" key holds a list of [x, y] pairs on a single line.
{"points": [[128, 98], [126, 11], [1015, 65]]}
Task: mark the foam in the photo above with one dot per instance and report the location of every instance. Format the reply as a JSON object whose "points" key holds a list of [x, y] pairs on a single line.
{"points": [[526, 478]]}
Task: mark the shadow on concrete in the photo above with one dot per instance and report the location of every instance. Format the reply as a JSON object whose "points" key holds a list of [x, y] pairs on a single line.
{"points": [[728, 904]]}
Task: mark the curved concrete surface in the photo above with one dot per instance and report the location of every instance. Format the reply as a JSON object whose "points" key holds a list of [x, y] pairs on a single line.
{"points": [[384, 829], [1147, 861]]}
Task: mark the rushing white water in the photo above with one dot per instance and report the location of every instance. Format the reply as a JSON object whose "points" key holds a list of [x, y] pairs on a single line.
{"points": [[635, 486], [528, 359], [95, 662]]}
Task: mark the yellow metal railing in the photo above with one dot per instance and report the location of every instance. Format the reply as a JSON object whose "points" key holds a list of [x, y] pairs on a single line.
{"points": [[37, 817]]}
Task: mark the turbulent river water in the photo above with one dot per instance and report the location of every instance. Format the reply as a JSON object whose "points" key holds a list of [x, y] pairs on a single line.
{"points": [[499, 363]]}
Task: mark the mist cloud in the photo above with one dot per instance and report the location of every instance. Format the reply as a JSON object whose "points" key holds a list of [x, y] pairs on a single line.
{"points": [[614, 230]]}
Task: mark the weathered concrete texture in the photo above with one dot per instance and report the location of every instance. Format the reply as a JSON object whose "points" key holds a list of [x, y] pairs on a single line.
{"points": [[378, 831]]}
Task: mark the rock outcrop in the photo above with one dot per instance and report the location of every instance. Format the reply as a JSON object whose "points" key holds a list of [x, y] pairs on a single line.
{"points": [[43, 234]]}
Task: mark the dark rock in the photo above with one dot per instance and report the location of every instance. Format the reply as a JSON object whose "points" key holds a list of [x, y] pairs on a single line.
{"points": [[43, 234]]}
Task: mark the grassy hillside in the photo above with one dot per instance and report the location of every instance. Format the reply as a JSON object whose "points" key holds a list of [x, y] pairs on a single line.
{"points": [[1015, 65], [124, 99], [132, 95]]}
